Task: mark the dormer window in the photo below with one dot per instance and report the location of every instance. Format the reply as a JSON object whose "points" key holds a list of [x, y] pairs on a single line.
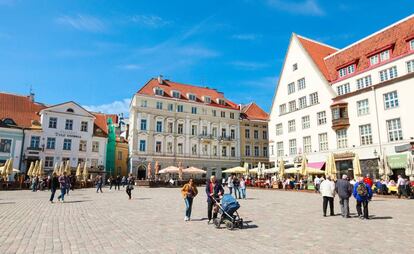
{"points": [[207, 99], [221, 101], [159, 91], [176, 94], [192, 97], [346, 70], [380, 57], [412, 44]]}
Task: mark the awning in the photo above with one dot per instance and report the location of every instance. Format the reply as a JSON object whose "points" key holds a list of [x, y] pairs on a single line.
{"points": [[316, 165], [397, 161]]}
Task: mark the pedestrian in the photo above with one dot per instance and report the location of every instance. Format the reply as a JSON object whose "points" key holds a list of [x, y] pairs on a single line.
{"points": [[401, 186], [363, 194], [111, 182], [189, 191], [368, 180], [243, 188], [64, 184], [130, 185], [118, 182], [236, 185], [124, 181], [214, 191], [327, 189], [70, 185], [34, 183], [54, 184], [230, 184], [344, 190], [317, 183], [98, 182]]}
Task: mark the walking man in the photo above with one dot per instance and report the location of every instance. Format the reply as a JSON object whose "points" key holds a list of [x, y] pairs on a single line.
{"points": [[130, 185], [363, 194], [118, 182], [64, 184], [344, 190], [236, 185], [401, 186], [54, 184], [99, 183], [327, 189]]}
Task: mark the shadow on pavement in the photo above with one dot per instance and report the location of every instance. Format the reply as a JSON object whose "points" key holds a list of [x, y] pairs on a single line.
{"points": [[380, 217], [77, 201], [142, 198], [202, 219], [7, 203]]}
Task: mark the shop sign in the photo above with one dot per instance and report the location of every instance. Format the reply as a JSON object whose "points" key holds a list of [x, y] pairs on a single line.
{"points": [[403, 148], [67, 135]]}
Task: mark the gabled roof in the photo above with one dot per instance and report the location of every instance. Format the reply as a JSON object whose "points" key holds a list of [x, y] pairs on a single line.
{"points": [[317, 51], [19, 108], [65, 103], [185, 89], [101, 123], [252, 111]]}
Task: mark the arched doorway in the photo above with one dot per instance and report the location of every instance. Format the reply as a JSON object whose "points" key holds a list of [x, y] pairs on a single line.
{"points": [[141, 172]]}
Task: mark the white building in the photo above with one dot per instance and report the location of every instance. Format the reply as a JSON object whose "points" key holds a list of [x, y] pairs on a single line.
{"points": [[170, 122], [66, 132], [364, 90]]}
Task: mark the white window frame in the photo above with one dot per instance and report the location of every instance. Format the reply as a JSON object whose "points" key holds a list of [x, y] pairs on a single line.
{"points": [[279, 149], [391, 100], [291, 88], [363, 107], [301, 84], [321, 117], [307, 144], [343, 89], [342, 138], [364, 82], [410, 66], [313, 98], [176, 94], [279, 129], [306, 122], [291, 125], [365, 134], [292, 147], [282, 108], [292, 106], [302, 102], [323, 141], [394, 130], [388, 74]]}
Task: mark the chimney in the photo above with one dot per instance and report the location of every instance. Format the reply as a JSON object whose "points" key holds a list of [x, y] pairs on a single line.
{"points": [[160, 81]]}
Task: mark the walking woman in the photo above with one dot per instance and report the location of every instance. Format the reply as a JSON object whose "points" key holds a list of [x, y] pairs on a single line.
{"points": [[189, 191], [64, 184], [130, 185], [54, 184]]}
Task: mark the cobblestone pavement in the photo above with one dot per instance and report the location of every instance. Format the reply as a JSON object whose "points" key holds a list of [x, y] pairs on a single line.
{"points": [[278, 221]]}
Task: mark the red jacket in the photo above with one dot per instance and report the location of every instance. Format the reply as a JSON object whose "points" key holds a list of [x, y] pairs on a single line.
{"points": [[368, 181]]}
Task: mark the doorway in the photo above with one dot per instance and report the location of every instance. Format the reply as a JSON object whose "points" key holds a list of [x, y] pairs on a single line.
{"points": [[142, 172]]}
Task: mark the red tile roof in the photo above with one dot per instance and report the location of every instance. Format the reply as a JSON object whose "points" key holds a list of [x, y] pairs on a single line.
{"points": [[19, 108], [317, 51], [184, 89], [252, 111], [101, 122]]}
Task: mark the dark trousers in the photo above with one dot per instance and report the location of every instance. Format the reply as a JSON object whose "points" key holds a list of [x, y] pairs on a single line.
{"points": [[325, 205], [118, 185], [359, 210], [98, 188], [52, 196], [236, 192], [402, 191], [231, 190], [128, 191], [210, 207], [317, 188]]}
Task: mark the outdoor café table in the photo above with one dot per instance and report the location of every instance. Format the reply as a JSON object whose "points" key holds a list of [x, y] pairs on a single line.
{"points": [[392, 189]]}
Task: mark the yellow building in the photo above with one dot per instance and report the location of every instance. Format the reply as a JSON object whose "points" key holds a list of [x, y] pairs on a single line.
{"points": [[121, 157], [254, 135]]}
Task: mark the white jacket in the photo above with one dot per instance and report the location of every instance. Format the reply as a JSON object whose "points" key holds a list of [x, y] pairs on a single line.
{"points": [[327, 188]]}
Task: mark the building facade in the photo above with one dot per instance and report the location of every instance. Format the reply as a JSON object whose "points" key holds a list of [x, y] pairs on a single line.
{"points": [[121, 159], [254, 140], [170, 122], [361, 105], [11, 141]]}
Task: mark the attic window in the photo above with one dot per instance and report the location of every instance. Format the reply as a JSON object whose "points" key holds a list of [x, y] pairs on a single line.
{"points": [[159, 91], [380, 57], [207, 99], [70, 110], [346, 70], [412, 44], [295, 67], [221, 101], [191, 97], [8, 121], [176, 94]]}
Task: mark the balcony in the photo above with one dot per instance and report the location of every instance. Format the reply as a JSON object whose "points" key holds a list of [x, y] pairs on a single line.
{"points": [[226, 138], [340, 119], [206, 137]]}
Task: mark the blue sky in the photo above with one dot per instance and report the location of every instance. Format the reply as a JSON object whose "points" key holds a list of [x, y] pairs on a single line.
{"points": [[99, 53]]}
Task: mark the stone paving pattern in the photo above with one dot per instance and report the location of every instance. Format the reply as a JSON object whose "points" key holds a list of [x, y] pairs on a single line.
{"points": [[152, 222]]}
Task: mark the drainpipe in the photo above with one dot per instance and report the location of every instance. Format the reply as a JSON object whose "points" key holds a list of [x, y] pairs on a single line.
{"points": [[377, 117], [21, 149]]}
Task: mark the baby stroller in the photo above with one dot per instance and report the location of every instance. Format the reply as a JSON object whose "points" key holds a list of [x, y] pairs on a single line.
{"points": [[228, 213]]}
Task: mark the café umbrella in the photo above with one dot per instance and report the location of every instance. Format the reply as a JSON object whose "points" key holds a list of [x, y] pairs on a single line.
{"points": [[35, 169], [303, 167], [157, 168], [78, 170], [194, 171], [333, 167], [387, 170], [409, 167], [67, 169], [85, 172], [30, 170], [180, 171], [169, 170], [235, 170], [61, 168], [281, 169], [40, 169], [56, 168], [357, 167]]}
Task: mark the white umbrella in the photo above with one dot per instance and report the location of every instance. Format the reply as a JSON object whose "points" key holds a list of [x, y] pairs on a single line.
{"points": [[271, 170], [193, 170], [235, 170], [61, 168], [357, 167], [381, 166], [169, 170]]}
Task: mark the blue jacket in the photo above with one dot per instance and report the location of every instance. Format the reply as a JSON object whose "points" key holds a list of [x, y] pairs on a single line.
{"points": [[360, 198], [217, 189]]}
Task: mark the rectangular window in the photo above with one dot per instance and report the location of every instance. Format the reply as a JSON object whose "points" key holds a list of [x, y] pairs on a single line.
{"points": [[388, 74], [180, 148], [247, 133], [49, 162], [159, 126], [194, 130], [205, 150], [67, 144], [305, 122], [363, 107], [291, 126], [193, 110], [365, 134], [373, 60], [256, 134], [323, 142], [292, 147], [321, 116], [343, 89], [231, 115], [207, 99], [279, 149], [35, 142], [279, 129], [292, 106], [170, 127], [291, 88], [410, 66], [313, 98], [180, 108], [224, 151], [364, 82], [232, 134], [143, 124], [69, 124], [214, 112], [53, 122], [204, 130], [5, 145], [247, 150], [214, 132], [82, 145], [391, 100], [302, 102], [341, 138], [412, 44], [176, 94], [51, 143], [214, 150], [223, 114], [180, 128], [233, 152], [264, 134], [192, 97], [159, 91], [265, 151], [282, 109], [394, 130], [170, 107], [159, 105], [158, 147], [346, 70], [301, 84], [307, 144], [385, 55], [144, 103], [95, 146], [84, 126], [142, 145], [256, 151]]}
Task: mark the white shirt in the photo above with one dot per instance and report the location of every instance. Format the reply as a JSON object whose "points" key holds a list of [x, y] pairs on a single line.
{"points": [[327, 189], [400, 181], [317, 180], [230, 182]]}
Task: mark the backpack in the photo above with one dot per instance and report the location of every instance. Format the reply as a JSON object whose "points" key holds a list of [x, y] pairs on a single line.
{"points": [[362, 190]]}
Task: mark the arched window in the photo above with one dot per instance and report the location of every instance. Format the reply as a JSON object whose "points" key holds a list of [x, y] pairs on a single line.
{"points": [[70, 110]]}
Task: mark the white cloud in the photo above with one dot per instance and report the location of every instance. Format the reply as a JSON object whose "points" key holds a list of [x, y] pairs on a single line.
{"points": [[115, 107], [303, 7], [130, 67], [151, 21], [82, 23], [246, 37], [244, 65]]}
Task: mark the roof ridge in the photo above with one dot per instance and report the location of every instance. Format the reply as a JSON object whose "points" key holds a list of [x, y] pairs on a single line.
{"points": [[317, 42]]}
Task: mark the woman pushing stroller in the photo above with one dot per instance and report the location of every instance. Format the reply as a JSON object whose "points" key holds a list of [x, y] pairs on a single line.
{"points": [[214, 191]]}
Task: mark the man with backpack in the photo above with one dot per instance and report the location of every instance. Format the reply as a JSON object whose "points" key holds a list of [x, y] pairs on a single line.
{"points": [[344, 190], [363, 194]]}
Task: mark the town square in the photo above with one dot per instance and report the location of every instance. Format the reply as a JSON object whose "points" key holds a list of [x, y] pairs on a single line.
{"points": [[259, 126]]}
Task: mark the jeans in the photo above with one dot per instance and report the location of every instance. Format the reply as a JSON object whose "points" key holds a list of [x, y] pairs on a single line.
{"points": [[128, 191], [62, 193], [331, 205], [344, 203], [117, 185], [52, 196], [402, 191], [243, 193], [188, 205], [231, 190], [67, 191], [98, 188], [236, 192], [359, 210]]}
